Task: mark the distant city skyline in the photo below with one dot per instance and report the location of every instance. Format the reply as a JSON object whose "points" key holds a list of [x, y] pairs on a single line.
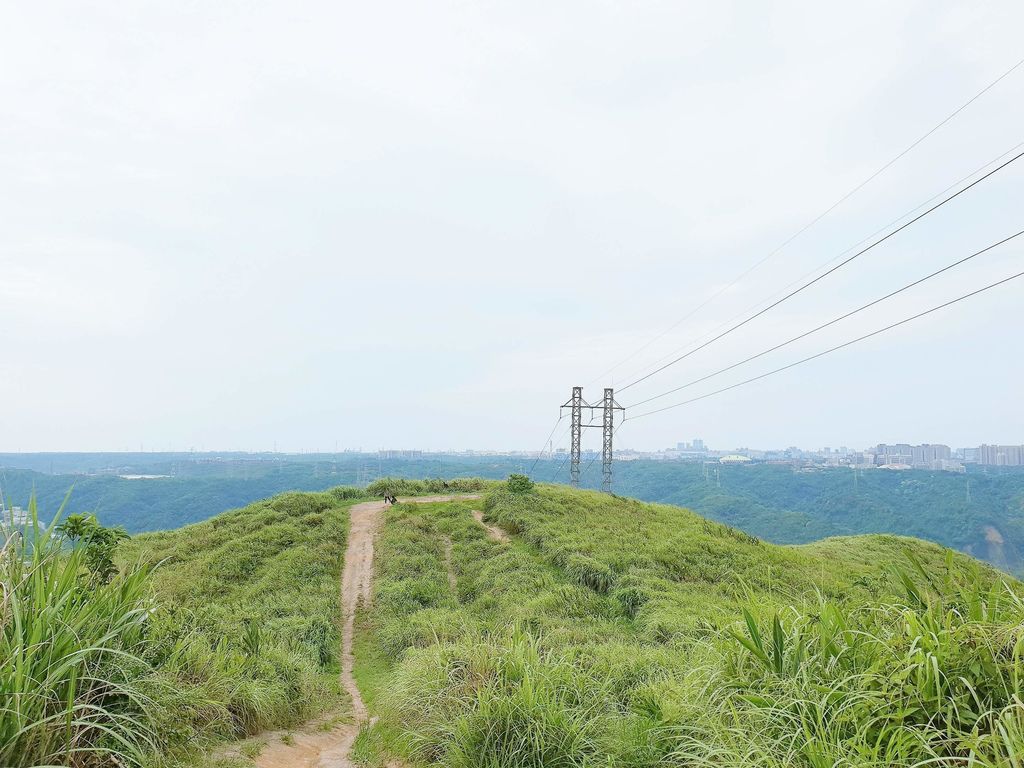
{"points": [[986, 452]]}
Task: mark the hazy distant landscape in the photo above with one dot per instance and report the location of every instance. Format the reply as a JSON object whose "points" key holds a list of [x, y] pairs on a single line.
{"points": [[775, 503]]}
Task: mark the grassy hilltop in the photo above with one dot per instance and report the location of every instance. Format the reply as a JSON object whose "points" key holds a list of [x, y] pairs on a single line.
{"points": [[604, 631], [611, 632]]}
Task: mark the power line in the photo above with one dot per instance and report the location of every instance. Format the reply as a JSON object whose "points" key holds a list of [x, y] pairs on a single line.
{"points": [[593, 459], [561, 443], [814, 221], [856, 245], [825, 274], [805, 334], [832, 349], [559, 468], [560, 417], [590, 463]]}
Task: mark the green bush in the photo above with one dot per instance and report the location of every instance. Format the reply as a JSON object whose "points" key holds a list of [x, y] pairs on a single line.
{"points": [[399, 486], [520, 484]]}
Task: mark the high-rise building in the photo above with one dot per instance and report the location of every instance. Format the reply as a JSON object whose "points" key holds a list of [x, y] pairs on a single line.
{"points": [[927, 455], [1001, 455], [893, 454], [924, 456], [697, 446]]}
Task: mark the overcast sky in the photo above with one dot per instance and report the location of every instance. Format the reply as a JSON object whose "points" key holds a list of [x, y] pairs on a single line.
{"points": [[237, 225]]}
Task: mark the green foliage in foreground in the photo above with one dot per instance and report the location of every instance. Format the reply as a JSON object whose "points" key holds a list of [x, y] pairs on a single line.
{"points": [[99, 542], [71, 648], [611, 632], [921, 678], [214, 631]]}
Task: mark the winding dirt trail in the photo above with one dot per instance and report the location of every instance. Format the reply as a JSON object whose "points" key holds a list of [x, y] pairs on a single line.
{"points": [[493, 531], [315, 747]]}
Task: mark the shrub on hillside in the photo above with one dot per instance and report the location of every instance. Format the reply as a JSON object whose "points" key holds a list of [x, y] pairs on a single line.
{"points": [[345, 492], [400, 486], [520, 484], [98, 541]]}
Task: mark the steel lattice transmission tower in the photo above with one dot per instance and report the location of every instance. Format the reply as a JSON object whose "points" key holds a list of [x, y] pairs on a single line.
{"points": [[608, 430], [576, 404]]}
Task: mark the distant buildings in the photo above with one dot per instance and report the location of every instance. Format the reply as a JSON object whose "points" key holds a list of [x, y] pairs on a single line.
{"points": [[735, 458], [1000, 455], [394, 454], [694, 450], [13, 516], [862, 459], [927, 456], [924, 456]]}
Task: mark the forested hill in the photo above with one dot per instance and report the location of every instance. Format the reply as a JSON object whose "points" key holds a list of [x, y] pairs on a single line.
{"points": [[179, 489], [776, 503], [979, 513]]}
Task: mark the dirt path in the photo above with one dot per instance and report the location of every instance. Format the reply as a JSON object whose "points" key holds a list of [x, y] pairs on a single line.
{"points": [[315, 747], [492, 530]]}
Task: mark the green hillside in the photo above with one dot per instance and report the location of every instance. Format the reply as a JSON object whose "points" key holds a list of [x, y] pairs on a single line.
{"points": [[980, 513], [207, 633], [251, 599], [602, 631], [185, 491], [611, 632]]}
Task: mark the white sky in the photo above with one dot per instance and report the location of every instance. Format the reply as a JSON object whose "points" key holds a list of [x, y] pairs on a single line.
{"points": [[240, 224]]}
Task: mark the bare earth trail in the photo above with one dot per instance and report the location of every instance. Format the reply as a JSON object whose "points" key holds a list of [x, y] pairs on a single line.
{"points": [[493, 531], [316, 747]]}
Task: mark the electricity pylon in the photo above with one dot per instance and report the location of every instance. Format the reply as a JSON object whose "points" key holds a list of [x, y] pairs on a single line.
{"points": [[608, 427], [576, 404]]}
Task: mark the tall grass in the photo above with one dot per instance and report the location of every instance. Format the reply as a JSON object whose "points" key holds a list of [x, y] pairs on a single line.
{"points": [[400, 486], [616, 633], [70, 647], [212, 632], [246, 636], [930, 676]]}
